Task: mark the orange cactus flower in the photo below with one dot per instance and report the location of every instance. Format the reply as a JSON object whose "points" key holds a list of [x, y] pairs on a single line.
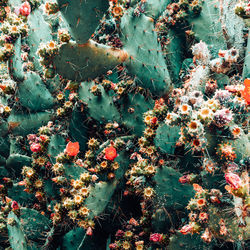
{"points": [[110, 153], [72, 148], [7, 199], [197, 188], [246, 92]]}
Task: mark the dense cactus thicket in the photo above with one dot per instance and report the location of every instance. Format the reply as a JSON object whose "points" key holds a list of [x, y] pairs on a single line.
{"points": [[124, 124]]}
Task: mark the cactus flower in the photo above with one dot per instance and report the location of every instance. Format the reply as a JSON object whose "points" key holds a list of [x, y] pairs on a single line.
{"points": [[233, 180], [246, 92], [25, 9], [14, 205], [207, 236], [133, 222], [110, 153], [184, 179], [72, 148], [35, 147], [119, 233], [186, 229], [113, 246], [154, 120], [89, 231], [156, 237]]}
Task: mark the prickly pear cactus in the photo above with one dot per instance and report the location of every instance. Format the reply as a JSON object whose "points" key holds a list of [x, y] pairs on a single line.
{"points": [[124, 124]]}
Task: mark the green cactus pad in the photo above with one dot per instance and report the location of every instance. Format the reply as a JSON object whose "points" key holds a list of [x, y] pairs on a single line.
{"points": [[23, 124], [99, 107], [99, 197], [154, 8], [34, 224], [16, 235], [246, 69], [166, 138], [133, 120], [174, 53], [3, 128], [83, 17], [80, 62], [212, 35], [78, 129], [16, 193], [15, 63], [170, 192], [15, 162], [33, 94], [234, 231], [233, 25], [40, 32], [188, 242], [56, 146], [77, 239], [241, 146], [73, 171], [146, 60]]}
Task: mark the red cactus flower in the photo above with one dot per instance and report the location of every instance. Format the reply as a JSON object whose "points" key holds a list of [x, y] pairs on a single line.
{"points": [[43, 138], [126, 192], [184, 179], [14, 205], [62, 190], [6, 179], [21, 183], [72, 148], [119, 233], [89, 231], [215, 199], [233, 180], [31, 137], [110, 153], [156, 237], [203, 216], [133, 222], [35, 147], [154, 120], [113, 246], [25, 9], [186, 229], [39, 196]]}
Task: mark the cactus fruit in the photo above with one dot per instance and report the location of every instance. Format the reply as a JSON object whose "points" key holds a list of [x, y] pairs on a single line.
{"points": [[124, 124]]}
